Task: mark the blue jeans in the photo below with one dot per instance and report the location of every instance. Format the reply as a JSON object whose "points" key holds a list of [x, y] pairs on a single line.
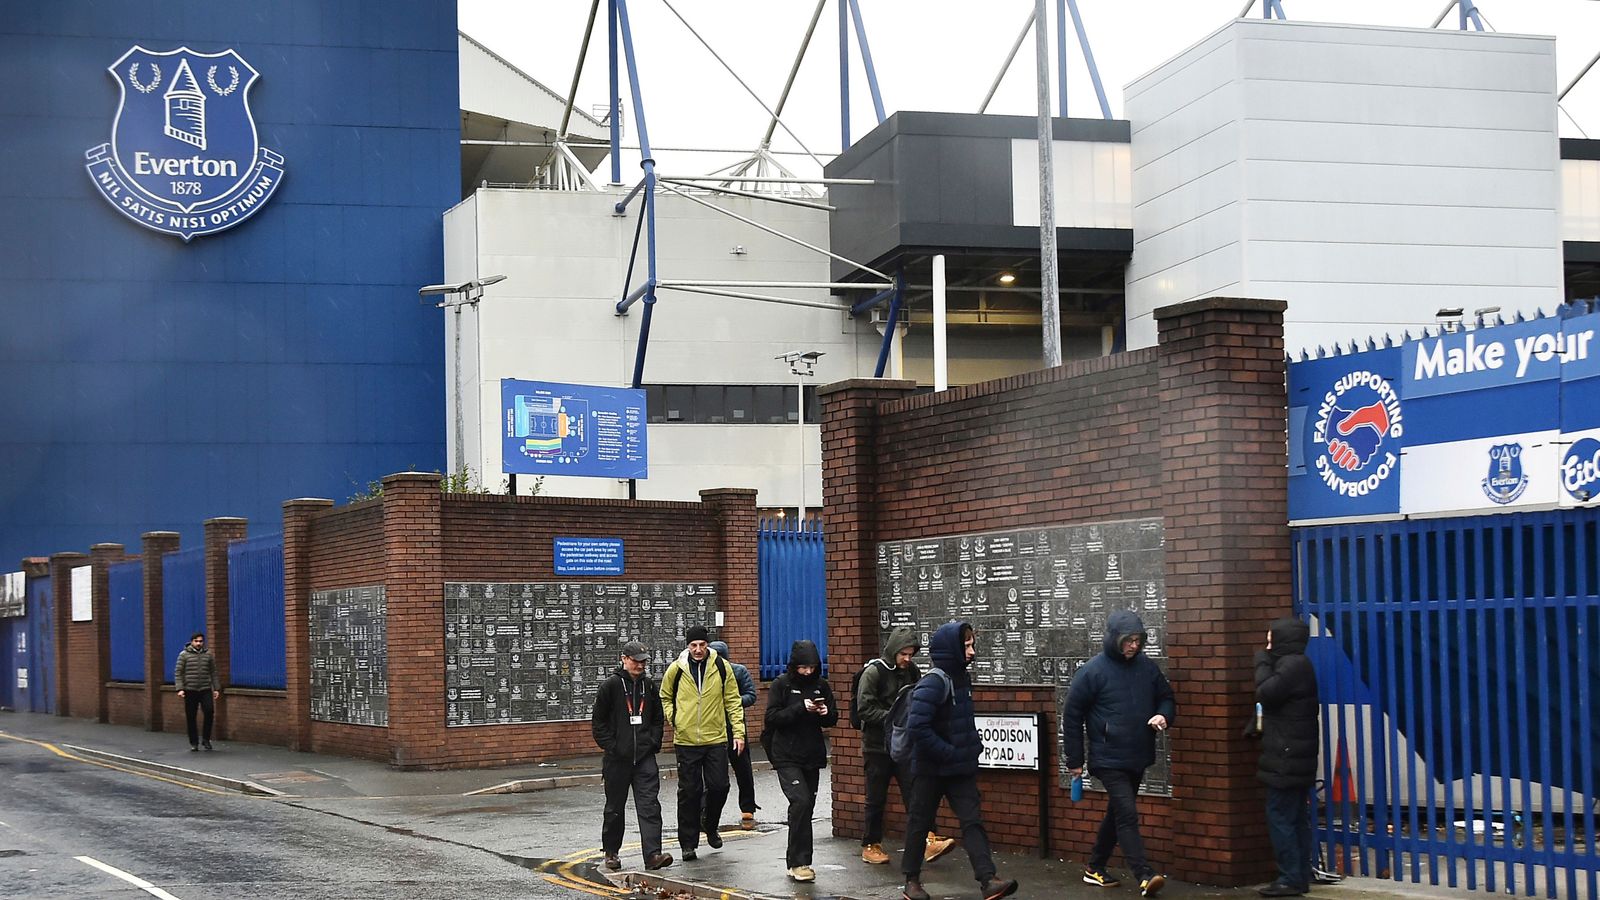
{"points": [[1289, 826], [1121, 823]]}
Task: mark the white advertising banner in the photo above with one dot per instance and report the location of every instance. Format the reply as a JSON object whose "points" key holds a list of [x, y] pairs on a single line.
{"points": [[82, 607], [1494, 474]]}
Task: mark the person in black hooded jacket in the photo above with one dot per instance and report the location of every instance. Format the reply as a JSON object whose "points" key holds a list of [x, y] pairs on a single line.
{"points": [[799, 706], [943, 728], [1122, 700], [1286, 688], [627, 723]]}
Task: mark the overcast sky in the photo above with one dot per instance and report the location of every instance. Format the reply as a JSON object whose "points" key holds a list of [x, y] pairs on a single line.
{"points": [[929, 55]]}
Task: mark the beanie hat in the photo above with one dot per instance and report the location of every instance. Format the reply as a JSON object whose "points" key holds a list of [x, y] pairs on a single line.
{"points": [[697, 633]]}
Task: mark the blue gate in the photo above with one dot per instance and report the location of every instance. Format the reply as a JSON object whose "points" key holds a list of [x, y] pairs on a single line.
{"points": [[793, 605], [1460, 676], [183, 603], [125, 582], [255, 612], [40, 652]]}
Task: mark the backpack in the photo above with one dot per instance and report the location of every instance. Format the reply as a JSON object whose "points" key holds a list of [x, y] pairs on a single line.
{"points": [[677, 676], [855, 692], [897, 736]]}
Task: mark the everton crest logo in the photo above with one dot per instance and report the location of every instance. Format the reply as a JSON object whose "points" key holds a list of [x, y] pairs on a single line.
{"points": [[184, 156], [1506, 481]]}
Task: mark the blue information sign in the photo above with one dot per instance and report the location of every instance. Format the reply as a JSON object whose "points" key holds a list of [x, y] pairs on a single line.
{"points": [[588, 556], [549, 428]]}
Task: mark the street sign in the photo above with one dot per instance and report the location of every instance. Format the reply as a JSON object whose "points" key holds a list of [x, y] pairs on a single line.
{"points": [[1009, 741]]}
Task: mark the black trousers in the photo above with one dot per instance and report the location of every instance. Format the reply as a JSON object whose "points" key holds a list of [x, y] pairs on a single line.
{"points": [[800, 787], [644, 779], [201, 700], [1121, 823], [880, 768], [702, 790], [965, 802], [745, 778], [1289, 825]]}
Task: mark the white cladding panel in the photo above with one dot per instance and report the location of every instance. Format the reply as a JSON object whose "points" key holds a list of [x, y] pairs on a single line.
{"points": [[565, 256], [1092, 181], [1580, 199], [1377, 175]]}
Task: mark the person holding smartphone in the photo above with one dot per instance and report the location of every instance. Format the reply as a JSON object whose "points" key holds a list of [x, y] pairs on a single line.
{"points": [[799, 706]]}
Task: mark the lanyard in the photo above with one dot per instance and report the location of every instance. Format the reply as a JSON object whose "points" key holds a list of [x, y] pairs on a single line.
{"points": [[627, 697]]}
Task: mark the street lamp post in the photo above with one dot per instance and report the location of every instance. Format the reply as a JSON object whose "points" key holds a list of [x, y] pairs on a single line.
{"points": [[801, 363], [466, 293]]}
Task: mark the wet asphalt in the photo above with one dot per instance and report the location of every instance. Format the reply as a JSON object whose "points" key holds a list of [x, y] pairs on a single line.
{"points": [[256, 821]]}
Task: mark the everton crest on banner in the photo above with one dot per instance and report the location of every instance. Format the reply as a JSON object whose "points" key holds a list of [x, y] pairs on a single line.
{"points": [[184, 157]]}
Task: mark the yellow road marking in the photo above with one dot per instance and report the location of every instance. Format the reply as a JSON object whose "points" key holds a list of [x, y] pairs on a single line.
{"points": [[105, 765]]}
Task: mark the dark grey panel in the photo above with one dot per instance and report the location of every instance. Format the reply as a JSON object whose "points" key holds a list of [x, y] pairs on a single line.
{"points": [[1580, 148], [1038, 598], [944, 180], [350, 656], [536, 652]]}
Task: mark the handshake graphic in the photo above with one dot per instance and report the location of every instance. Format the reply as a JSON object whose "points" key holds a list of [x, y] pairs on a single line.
{"points": [[1360, 433]]}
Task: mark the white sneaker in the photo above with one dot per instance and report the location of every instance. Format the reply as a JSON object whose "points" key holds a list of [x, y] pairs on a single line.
{"points": [[803, 873]]}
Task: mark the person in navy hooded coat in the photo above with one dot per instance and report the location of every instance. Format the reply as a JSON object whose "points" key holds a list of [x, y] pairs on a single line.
{"points": [[1122, 700], [944, 734]]}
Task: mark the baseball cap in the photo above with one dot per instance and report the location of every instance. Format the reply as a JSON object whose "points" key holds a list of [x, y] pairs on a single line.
{"points": [[635, 651]]}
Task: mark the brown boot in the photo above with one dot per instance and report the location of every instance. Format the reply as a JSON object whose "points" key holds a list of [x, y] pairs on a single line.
{"points": [[747, 821], [873, 854], [914, 891], [937, 847]]}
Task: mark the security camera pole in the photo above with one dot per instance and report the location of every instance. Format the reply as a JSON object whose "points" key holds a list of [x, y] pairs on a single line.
{"points": [[466, 293], [801, 363]]}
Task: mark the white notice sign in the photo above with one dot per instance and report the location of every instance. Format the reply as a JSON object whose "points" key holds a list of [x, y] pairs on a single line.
{"points": [[22, 679], [82, 608], [1009, 741]]}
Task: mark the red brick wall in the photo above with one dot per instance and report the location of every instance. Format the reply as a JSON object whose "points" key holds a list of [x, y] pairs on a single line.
{"points": [[347, 550], [494, 538], [255, 715], [125, 703], [1121, 437]]}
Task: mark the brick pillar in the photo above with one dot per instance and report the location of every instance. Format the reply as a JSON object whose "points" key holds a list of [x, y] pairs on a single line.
{"points": [[101, 556], [849, 486], [413, 575], [1222, 413], [219, 634], [739, 586], [298, 516], [61, 566], [155, 545]]}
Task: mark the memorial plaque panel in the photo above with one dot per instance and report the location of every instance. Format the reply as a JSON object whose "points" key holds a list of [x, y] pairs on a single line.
{"points": [[350, 656], [1038, 599], [536, 652]]}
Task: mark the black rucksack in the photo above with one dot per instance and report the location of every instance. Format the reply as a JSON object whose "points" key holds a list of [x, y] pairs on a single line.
{"points": [[855, 691], [896, 737]]}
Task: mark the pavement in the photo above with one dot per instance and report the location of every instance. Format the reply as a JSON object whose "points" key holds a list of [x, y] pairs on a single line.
{"points": [[750, 865]]}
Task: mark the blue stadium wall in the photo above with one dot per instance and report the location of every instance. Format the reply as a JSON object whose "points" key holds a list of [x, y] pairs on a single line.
{"points": [[146, 383]]}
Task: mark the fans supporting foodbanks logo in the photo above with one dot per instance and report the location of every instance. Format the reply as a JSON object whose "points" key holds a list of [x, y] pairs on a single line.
{"points": [[1506, 480], [1354, 420], [184, 157], [1580, 469]]}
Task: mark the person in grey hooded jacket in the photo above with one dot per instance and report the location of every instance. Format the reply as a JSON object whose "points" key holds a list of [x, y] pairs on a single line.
{"points": [[1121, 699], [742, 773]]}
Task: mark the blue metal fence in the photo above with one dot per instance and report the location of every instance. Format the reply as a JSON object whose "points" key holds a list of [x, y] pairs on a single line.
{"points": [[183, 602], [255, 612], [125, 583], [792, 597], [40, 652], [1459, 673]]}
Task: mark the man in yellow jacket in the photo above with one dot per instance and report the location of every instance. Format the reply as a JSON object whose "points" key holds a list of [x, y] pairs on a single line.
{"points": [[700, 697]]}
